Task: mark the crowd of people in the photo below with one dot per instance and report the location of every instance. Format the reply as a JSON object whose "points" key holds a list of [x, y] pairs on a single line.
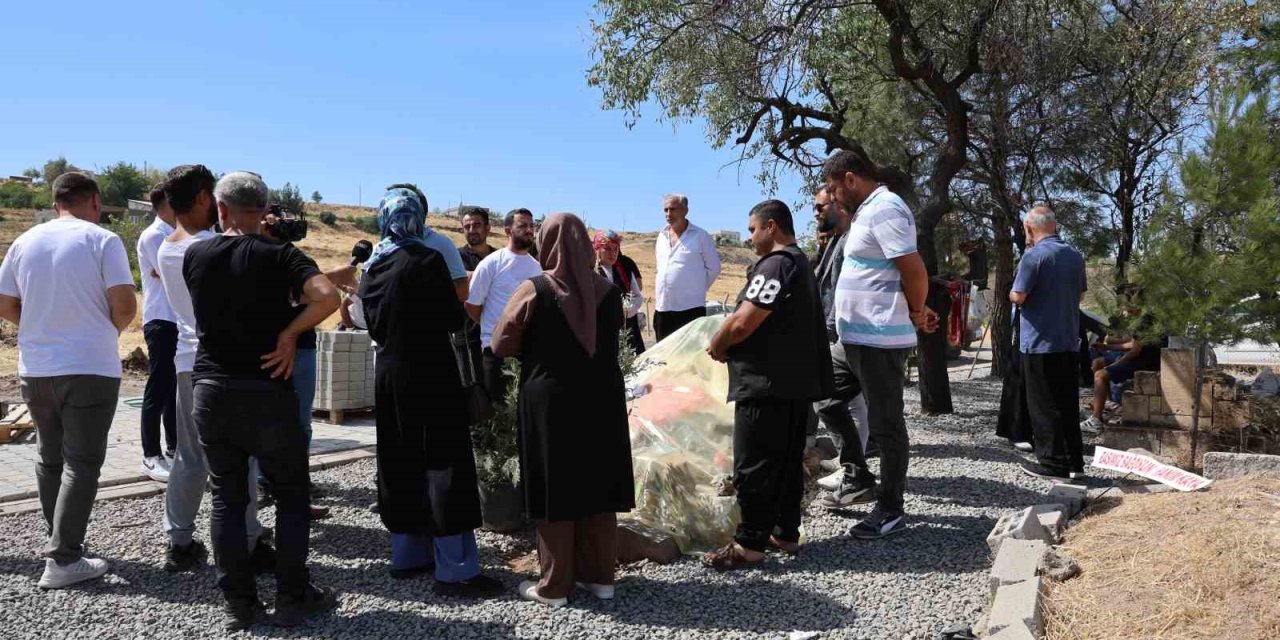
{"points": [[228, 308]]}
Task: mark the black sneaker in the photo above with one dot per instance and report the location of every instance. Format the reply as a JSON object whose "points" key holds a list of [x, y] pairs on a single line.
{"points": [[263, 558], [878, 524], [481, 586], [184, 558], [265, 497], [850, 492], [292, 611], [242, 614], [1037, 470]]}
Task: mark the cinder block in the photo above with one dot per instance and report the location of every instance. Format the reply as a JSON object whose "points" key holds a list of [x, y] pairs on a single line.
{"points": [[1017, 605], [341, 375], [1177, 379], [1147, 383], [1071, 496], [340, 337], [1135, 409], [1019, 632], [1053, 518], [1220, 465], [1016, 562], [1017, 525]]}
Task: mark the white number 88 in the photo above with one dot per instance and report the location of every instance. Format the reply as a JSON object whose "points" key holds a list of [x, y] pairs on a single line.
{"points": [[765, 292]]}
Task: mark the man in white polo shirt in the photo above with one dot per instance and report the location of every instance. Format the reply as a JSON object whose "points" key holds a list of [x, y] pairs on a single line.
{"points": [[67, 286], [161, 333], [879, 306], [687, 267], [492, 284]]}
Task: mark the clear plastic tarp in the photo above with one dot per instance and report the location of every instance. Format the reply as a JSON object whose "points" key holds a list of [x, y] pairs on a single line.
{"points": [[682, 440]]}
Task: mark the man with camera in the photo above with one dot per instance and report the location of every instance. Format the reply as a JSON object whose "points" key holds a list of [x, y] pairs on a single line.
{"points": [[242, 285], [281, 225]]}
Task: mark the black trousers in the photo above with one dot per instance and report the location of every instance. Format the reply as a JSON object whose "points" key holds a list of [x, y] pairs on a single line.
{"points": [[768, 472], [160, 395], [1053, 408], [666, 323], [882, 372], [834, 411], [493, 379], [259, 418]]}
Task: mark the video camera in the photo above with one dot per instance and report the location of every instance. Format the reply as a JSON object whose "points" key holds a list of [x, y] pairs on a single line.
{"points": [[288, 226]]}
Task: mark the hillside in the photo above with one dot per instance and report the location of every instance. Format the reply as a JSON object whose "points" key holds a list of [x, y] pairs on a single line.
{"points": [[331, 248]]}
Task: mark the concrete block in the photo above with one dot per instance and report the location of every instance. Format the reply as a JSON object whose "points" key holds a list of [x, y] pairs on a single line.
{"points": [[1220, 465], [1012, 633], [1070, 496], [640, 542], [1135, 409], [1230, 416], [1016, 562], [1178, 378], [341, 375], [1017, 605], [1053, 517], [1147, 383], [1017, 525]]}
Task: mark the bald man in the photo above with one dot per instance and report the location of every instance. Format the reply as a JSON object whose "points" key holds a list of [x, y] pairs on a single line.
{"points": [[1048, 288]]}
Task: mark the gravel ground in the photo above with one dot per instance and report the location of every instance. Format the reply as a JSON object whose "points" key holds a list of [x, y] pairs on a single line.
{"points": [[907, 586]]}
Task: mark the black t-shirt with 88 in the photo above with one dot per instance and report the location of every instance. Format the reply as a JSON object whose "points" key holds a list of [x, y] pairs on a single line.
{"points": [[240, 292], [787, 356]]}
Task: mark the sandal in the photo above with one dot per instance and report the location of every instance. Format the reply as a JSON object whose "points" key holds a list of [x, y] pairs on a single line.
{"points": [[728, 558], [785, 546]]}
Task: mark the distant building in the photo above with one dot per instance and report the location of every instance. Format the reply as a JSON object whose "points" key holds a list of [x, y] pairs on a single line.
{"points": [[23, 179], [727, 238], [139, 211]]}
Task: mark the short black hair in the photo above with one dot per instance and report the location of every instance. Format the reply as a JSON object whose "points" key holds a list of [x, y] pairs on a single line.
{"points": [[852, 160], [73, 188], [510, 220], [422, 197], [478, 212], [184, 183], [778, 212], [157, 195]]}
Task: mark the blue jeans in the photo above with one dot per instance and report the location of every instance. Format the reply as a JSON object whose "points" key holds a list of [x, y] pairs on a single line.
{"points": [[455, 557], [304, 384]]}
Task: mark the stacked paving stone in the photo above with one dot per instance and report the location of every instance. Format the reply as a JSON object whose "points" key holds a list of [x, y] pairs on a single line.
{"points": [[344, 372], [1157, 412]]}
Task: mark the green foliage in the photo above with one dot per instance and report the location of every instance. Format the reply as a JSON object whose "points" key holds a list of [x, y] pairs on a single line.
{"points": [[121, 182], [328, 217], [316, 197], [367, 224], [289, 197], [56, 167], [129, 232], [1211, 263], [16, 195], [32, 173]]}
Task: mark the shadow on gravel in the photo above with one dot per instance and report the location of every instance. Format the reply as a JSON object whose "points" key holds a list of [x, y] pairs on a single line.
{"points": [[388, 624], [741, 603], [350, 542], [973, 492], [930, 544], [985, 453]]}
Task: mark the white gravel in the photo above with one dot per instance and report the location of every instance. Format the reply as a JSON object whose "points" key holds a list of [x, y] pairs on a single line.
{"points": [[907, 586]]}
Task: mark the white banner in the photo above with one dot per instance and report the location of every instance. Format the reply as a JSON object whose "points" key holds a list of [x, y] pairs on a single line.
{"points": [[1145, 466]]}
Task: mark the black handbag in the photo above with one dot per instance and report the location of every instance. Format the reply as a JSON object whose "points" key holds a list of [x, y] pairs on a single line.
{"points": [[479, 404]]}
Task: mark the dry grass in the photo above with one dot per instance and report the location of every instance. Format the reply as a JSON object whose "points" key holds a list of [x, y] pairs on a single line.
{"points": [[330, 247], [1172, 566]]}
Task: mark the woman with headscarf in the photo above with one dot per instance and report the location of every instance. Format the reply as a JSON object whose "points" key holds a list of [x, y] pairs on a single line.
{"points": [[427, 493], [575, 452], [611, 266]]}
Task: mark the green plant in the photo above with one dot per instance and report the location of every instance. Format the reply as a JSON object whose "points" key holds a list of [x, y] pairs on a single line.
{"points": [[368, 224], [129, 232], [329, 218]]}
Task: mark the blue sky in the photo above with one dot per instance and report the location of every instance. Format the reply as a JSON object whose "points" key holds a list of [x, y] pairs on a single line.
{"points": [[481, 101]]}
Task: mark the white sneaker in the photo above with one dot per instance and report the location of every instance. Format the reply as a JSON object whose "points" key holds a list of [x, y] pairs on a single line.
{"points": [[529, 591], [1024, 446], [1092, 426], [56, 577], [832, 482], [155, 468], [601, 591]]}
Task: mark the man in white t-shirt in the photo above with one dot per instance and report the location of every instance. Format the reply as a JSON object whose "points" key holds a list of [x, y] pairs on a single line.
{"points": [[67, 286], [687, 267], [492, 284], [189, 191], [161, 334]]}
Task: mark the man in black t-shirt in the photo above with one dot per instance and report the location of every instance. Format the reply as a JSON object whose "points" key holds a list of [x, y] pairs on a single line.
{"points": [[466, 343], [241, 286], [775, 345]]}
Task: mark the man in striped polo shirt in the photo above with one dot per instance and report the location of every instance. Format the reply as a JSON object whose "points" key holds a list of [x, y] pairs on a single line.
{"points": [[879, 306]]}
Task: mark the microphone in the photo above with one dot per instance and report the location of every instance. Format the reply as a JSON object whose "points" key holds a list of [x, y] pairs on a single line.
{"points": [[361, 252]]}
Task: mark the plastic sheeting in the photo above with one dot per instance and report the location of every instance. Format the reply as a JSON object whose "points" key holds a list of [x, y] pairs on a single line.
{"points": [[682, 440]]}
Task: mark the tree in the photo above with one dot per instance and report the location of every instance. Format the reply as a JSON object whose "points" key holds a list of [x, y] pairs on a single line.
{"points": [[289, 197], [54, 168], [16, 195], [316, 197], [121, 182], [32, 173], [1210, 266]]}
